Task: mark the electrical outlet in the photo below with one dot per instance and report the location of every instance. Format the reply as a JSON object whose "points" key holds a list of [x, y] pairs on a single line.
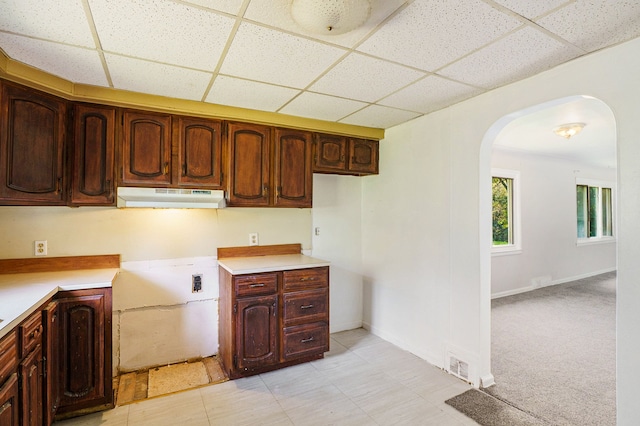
{"points": [[196, 283], [253, 239], [40, 248]]}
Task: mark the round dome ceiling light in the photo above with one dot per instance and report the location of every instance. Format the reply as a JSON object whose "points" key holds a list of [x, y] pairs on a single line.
{"points": [[330, 17]]}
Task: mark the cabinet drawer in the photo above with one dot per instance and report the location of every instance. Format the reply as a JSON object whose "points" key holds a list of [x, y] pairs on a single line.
{"points": [[8, 355], [306, 306], [31, 333], [305, 340], [250, 285], [299, 279]]}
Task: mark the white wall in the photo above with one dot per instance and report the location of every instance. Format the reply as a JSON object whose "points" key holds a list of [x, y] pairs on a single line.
{"points": [[157, 320], [426, 218], [336, 214], [549, 252]]}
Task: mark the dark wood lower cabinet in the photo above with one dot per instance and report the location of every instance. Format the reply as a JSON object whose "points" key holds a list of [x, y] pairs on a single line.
{"points": [[32, 394], [84, 336], [256, 332], [57, 362], [273, 319], [9, 405]]}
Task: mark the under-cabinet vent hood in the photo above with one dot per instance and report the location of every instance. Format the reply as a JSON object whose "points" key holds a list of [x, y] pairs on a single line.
{"points": [[170, 198]]}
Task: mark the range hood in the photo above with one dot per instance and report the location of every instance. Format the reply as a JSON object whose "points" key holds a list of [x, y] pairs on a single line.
{"points": [[170, 198]]}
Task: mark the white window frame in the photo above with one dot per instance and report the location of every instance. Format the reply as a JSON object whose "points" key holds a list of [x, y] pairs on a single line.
{"points": [[599, 239], [516, 220]]}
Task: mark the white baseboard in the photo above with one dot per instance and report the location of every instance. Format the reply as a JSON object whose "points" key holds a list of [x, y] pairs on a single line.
{"points": [[550, 283]]}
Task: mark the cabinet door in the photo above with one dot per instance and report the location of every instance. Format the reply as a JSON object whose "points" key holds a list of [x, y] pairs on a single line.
{"points": [[363, 156], [199, 152], [93, 148], [32, 127], [249, 158], [51, 394], [9, 395], [256, 332], [85, 346], [32, 381], [293, 176], [330, 153], [146, 150]]}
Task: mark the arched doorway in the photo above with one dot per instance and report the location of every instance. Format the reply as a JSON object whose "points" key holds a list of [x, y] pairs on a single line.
{"points": [[530, 131]]}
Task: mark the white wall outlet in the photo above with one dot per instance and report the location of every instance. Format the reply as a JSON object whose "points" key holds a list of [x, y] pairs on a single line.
{"points": [[253, 239], [317, 231], [40, 248]]}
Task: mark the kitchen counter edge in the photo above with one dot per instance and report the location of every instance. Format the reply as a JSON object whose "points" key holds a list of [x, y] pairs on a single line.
{"points": [[269, 263], [22, 294]]}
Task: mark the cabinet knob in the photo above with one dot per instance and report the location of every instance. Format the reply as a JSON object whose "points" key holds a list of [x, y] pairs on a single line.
{"points": [[310, 339], [265, 190], [166, 168]]}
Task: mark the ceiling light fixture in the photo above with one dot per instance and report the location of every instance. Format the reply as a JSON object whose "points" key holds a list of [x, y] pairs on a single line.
{"points": [[569, 129], [330, 17]]}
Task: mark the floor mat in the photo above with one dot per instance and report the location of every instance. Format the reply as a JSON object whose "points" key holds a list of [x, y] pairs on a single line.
{"points": [[489, 411]]}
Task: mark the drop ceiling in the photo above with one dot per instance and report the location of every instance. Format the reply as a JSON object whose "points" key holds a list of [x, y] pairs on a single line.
{"points": [[410, 58]]}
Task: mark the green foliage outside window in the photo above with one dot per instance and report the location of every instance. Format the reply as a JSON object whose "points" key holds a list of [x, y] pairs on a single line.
{"points": [[502, 211]]}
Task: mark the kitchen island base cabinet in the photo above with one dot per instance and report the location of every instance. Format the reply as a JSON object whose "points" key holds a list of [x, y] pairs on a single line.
{"points": [[272, 320]]}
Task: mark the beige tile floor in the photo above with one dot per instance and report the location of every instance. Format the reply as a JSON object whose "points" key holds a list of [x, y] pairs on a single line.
{"points": [[363, 380]]}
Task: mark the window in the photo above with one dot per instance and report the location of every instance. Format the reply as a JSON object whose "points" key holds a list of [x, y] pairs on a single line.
{"points": [[505, 211], [594, 203]]}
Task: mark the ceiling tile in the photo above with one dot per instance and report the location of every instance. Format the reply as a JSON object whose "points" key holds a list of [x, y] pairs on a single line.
{"points": [[531, 9], [249, 94], [430, 34], [262, 54], [430, 94], [137, 75], [162, 31], [63, 21], [364, 78], [379, 116], [595, 24], [76, 64], [228, 6], [521, 54], [275, 13], [322, 107]]}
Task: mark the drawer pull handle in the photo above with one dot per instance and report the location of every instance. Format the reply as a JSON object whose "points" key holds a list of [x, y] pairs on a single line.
{"points": [[310, 339], [306, 306], [308, 279], [256, 285]]}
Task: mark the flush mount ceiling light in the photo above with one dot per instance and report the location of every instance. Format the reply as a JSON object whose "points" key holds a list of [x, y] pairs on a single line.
{"points": [[569, 129], [330, 17]]}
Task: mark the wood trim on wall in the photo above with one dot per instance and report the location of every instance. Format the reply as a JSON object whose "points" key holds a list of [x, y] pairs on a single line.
{"points": [[259, 250], [53, 264]]}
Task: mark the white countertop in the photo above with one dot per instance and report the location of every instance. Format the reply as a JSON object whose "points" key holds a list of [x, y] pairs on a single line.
{"points": [[22, 294], [281, 262]]}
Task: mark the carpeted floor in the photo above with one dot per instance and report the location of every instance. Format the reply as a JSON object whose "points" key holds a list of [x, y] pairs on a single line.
{"points": [[553, 352]]}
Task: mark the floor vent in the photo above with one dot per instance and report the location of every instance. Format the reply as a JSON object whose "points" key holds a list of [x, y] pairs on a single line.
{"points": [[459, 368]]}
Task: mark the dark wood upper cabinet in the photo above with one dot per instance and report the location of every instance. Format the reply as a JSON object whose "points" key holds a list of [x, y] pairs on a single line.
{"points": [[331, 153], [250, 160], [293, 177], [92, 170], [363, 156], [146, 149], [32, 133], [199, 153], [343, 155]]}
